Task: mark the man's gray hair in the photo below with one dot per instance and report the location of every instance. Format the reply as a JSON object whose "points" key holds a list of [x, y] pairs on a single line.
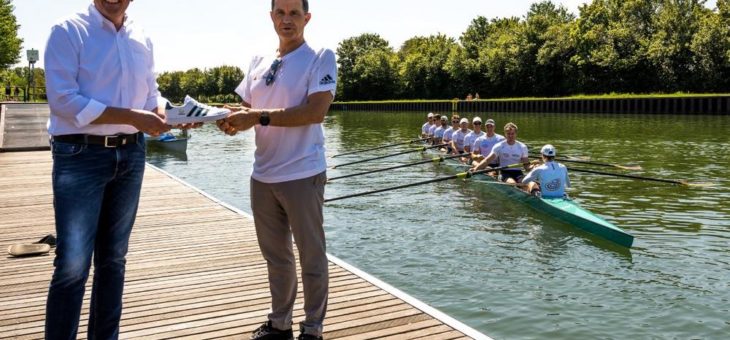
{"points": [[305, 5]]}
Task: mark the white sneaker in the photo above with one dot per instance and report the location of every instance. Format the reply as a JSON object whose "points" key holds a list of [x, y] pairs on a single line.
{"points": [[193, 112]]}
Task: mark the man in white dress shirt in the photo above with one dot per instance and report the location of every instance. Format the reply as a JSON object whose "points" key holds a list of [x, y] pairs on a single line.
{"points": [[102, 94]]}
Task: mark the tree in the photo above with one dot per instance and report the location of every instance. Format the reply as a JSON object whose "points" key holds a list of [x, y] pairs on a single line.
{"points": [[376, 76], [676, 23], [423, 67], [611, 39], [349, 51], [548, 49], [710, 49], [10, 43]]}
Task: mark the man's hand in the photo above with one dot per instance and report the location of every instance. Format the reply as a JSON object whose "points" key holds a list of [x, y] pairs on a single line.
{"points": [[151, 123], [238, 121]]}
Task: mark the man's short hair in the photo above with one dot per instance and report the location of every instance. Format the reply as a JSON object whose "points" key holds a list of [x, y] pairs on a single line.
{"points": [[305, 5], [510, 126]]}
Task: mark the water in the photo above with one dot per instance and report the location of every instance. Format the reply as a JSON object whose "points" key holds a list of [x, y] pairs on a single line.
{"points": [[508, 271]]}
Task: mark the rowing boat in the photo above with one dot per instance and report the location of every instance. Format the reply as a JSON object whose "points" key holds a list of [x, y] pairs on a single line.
{"points": [[562, 209]]}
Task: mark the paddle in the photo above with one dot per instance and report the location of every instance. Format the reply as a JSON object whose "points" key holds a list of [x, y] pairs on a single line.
{"points": [[421, 149], [462, 175], [380, 147], [671, 181], [433, 160], [631, 167]]}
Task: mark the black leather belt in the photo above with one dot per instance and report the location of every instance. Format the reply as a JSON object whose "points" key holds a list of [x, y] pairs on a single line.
{"points": [[113, 141]]}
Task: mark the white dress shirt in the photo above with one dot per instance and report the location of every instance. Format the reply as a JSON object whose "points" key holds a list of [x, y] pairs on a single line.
{"points": [[90, 65]]}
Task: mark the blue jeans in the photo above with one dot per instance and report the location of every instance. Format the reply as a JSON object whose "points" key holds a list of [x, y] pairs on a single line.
{"points": [[95, 197]]}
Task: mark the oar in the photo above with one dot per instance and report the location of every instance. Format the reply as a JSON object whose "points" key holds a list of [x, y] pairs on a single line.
{"points": [[631, 167], [462, 175], [380, 147], [421, 149], [433, 160], [662, 180]]}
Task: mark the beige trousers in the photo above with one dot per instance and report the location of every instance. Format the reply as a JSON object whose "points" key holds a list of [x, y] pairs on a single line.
{"points": [[280, 211]]}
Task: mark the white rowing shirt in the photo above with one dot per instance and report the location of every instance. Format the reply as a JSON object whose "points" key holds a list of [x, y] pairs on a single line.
{"points": [[458, 138], [439, 132], [510, 154], [425, 127], [432, 129], [471, 137], [484, 144], [553, 179], [448, 133]]}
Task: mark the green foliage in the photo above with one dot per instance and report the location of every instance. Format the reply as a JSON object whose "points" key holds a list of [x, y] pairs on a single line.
{"points": [[10, 43], [422, 70], [366, 68], [209, 85]]}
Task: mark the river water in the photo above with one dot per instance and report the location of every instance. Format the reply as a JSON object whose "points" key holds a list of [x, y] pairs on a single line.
{"points": [[510, 272]]}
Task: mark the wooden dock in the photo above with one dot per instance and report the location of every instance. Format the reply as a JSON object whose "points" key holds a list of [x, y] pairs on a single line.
{"points": [[194, 270], [23, 127]]}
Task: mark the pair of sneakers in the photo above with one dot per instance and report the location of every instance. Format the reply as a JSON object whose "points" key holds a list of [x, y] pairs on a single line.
{"points": [[268, 332], [193, 112]]}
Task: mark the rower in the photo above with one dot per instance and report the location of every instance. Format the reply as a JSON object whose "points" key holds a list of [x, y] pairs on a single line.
{"points": [[432, 129], [450, 131], [509, 151], [471, 137], [427, 125], [438, 134], [484, 144], [549, 179], [457, 139]]}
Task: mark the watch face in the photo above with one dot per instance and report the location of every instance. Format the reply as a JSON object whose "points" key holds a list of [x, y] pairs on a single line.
{"points": [[264, 119]]}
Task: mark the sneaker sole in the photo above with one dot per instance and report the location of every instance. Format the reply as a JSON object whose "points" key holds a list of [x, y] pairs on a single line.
{"points": [[28, 249]]}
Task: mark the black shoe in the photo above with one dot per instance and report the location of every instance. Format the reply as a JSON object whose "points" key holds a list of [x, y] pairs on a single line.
{"points": [[303, 336], [49, 240], [267, 332]]}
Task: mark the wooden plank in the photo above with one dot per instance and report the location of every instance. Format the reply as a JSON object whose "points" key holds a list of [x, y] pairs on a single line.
{"points": [[194, 269]]}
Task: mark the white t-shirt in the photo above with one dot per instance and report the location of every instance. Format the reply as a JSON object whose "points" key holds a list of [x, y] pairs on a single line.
{"points": [[448, 133], [458, 138], [471, 137], [483, 145], [425, 127], [432, 129], [289, 153], [439, 132], [510, 154], [553, 178]]}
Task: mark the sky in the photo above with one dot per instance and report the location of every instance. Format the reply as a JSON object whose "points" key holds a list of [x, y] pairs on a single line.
{"points": [[209, 33]]}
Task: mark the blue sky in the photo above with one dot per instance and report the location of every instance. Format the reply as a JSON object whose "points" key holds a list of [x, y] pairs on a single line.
{"points": [[210, 33]]}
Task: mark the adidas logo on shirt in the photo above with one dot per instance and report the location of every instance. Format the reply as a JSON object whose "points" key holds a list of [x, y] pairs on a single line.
{"points": [[327, 80]]}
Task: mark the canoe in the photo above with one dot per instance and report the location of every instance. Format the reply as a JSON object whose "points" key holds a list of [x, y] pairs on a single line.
{"points": [[169, 141], [562, 209]]}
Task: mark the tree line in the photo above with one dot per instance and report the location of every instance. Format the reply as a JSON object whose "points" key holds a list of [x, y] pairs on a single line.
{"points": [[625, 46]]}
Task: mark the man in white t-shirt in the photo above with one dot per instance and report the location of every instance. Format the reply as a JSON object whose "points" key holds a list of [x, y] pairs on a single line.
{"points": [[549, 179], [471, 137], [438, 134], [457, 138], [448, 133], [436, 122], [509, 152], [286, 96], [427, 125], [483, 145]]}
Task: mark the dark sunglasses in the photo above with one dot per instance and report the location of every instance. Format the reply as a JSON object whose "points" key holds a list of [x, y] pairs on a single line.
{"points": [[271, 76], [477, 123], [454, 121]]}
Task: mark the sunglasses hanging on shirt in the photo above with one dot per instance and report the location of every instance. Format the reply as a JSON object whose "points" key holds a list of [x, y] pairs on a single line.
{"points": [[271, 76]]}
